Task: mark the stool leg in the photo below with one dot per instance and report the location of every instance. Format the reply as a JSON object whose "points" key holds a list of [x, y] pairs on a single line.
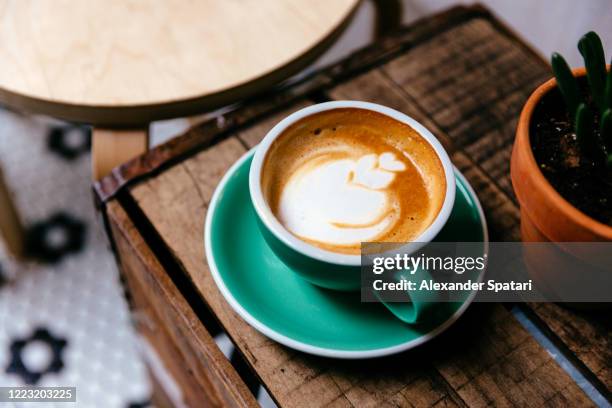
{"points": [[11, 229], [388, 16], [111, 148]]}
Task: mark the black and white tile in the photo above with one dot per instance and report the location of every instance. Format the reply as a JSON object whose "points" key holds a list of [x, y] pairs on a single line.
{"points": [[63, 318]]}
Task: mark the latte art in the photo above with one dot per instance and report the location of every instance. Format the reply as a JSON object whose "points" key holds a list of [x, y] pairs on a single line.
{"points": [[346, 176], [341, 200]]}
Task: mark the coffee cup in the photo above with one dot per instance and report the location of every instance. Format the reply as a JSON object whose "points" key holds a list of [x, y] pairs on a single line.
{"points": [[335, 174]]}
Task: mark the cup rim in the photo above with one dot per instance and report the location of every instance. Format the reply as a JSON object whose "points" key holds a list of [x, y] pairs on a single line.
{"points": [[280, 232]]}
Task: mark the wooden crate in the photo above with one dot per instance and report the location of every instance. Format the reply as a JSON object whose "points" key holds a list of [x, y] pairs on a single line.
{"points": [[465, 76]]}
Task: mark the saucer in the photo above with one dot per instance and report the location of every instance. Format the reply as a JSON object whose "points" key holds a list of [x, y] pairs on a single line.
{"points": [[284, 307]]}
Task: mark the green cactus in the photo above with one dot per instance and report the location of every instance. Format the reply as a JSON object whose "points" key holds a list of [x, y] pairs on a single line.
{"points": [[594, 139], [568, 85], [605, 131], [608, 92], [592, 52], [583, 125]]}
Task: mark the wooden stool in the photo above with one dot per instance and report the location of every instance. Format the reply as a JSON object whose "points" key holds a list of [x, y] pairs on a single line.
{"points": [[119, 66]]}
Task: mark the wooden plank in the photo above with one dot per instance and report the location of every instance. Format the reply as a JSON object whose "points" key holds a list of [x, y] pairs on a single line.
{"points": [[500, 364], [587, 334], [252, 135], [153, 329], [186, 347]]}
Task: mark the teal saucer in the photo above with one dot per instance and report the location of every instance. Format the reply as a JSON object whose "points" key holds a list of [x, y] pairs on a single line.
{"points": [[293, 312]]}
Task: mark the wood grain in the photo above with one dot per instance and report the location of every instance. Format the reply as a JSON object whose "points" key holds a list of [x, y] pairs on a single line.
{"points": [[12, 232], [187, 349], [93, 61], [587, 334], [110, 148]]}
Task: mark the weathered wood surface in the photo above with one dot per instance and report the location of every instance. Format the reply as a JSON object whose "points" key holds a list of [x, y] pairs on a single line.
{"points": [[163, 316], [586, 334], [467, 84]]}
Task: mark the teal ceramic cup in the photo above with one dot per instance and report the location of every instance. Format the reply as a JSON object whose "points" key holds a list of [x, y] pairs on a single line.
{"points": [[333, 270]]}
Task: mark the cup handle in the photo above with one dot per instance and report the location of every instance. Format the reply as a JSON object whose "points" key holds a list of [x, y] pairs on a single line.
{"points": [[419, 303]]}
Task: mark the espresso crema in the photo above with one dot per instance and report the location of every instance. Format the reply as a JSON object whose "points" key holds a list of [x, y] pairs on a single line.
{"points": [[346, 176]]}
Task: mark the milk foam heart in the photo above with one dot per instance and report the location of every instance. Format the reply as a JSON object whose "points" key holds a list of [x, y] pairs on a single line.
{"points": [[341, 201]]}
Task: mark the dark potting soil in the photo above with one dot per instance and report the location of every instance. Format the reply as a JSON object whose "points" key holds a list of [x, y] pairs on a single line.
{"points": [[586, 184]]}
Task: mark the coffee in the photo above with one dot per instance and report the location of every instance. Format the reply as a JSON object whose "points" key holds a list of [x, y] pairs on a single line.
{"points": [[345, 176]]}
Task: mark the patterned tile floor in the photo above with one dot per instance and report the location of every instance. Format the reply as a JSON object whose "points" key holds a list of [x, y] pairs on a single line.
{"points": [[63, 319]]}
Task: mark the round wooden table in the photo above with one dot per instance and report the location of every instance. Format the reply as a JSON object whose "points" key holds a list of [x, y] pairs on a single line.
{"points": [[123, 64]]}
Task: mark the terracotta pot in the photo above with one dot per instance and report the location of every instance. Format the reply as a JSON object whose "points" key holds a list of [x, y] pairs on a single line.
{"points": [[548, 217], [545, 215]]}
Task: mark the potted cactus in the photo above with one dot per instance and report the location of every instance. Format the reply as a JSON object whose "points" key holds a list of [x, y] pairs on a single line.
{"points": [[561, 164]]}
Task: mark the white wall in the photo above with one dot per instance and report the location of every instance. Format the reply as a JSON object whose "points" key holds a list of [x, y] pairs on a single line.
{"points": [[549, 25]]}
